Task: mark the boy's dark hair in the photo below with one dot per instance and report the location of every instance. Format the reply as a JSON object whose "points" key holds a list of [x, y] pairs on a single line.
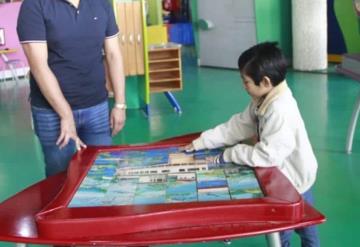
{"points": [[264, 59]]}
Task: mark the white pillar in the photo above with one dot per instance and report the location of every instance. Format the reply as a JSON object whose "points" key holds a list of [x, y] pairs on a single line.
{"points": [[309, 29]]}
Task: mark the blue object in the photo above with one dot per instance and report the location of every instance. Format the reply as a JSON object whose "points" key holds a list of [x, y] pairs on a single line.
{"points": [[207, 184], [181, 33], [173, 101], [336, 42]]}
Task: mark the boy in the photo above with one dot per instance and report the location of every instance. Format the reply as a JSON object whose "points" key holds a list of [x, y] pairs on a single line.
{"points": [[274, 119]]}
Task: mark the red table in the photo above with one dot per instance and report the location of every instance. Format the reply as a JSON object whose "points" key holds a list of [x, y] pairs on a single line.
{"points": [[18, 214]]}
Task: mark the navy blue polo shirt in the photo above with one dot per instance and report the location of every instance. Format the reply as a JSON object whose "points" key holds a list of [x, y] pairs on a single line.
{"points": [[75, 39]]}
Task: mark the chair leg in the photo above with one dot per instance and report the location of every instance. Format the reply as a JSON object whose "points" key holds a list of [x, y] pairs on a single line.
{"points": [[21, 245], [14, 66], [13, 71], [2, 74], [273, 239], [352, 125]]}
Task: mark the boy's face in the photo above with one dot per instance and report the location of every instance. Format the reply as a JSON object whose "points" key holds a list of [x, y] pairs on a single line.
{"points": [[256, 91]]}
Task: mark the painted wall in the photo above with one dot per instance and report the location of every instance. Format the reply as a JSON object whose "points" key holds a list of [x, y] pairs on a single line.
{"points": [[349, 24], [8, 19], [154, 12], [194, 18], [336, 43], [273, 23]]}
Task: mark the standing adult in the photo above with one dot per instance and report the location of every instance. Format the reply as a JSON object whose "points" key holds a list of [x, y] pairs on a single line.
{"points": [[64, 42]]}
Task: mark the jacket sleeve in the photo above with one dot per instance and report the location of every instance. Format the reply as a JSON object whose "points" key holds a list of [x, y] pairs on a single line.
{"points": [[240, 127], [276, 143]]}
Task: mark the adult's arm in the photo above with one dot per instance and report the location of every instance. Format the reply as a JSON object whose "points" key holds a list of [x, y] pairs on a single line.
{"points": [[37, 56], [114, 64]]}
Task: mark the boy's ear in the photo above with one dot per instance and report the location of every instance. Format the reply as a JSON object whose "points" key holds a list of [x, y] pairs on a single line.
{"points": [[266, 81]]}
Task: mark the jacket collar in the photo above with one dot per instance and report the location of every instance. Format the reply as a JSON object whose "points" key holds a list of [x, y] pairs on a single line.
{"points": [[264, 102]]}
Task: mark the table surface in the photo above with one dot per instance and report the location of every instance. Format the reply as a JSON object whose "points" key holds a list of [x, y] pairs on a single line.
{"points": [[17, 221]]}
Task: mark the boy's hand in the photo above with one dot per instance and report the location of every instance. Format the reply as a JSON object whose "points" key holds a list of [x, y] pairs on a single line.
{"points": [[218, 159], [188, 148]]}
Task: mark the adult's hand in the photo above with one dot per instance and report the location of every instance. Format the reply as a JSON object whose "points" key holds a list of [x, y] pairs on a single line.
{"points": [[117, 120], [217, 159], [68, 132]]}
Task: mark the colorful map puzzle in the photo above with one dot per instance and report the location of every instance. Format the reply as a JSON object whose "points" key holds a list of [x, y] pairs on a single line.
{"points": [[163, 175]]}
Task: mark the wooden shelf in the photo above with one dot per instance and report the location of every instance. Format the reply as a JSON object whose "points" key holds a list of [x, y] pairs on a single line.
{"points": [[165, 69], [164, 80], [160, 75], [163, 60], [161, 55], [156, 87], [161, 48]]}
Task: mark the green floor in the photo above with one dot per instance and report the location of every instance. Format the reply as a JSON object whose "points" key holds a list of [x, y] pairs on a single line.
{"points": [[211, 96]]}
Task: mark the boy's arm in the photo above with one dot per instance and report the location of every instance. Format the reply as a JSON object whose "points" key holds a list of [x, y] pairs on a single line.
{"points": [[240, 127], [277, 142]]}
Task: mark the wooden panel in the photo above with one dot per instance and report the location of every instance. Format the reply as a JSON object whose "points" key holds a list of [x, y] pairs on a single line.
{"points": [[180, 66], [159, 87], [139, 45], [158, 66], [164, 75], [121, 17], [163, 54], [129, 8]]}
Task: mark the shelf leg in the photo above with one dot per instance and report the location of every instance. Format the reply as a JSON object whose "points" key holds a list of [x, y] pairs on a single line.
{"points": [[147, 110], [173, 102], [352, 125]]}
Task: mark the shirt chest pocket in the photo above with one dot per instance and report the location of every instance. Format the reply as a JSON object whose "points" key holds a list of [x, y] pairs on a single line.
{"points": [[87, 31], [98, 26]]}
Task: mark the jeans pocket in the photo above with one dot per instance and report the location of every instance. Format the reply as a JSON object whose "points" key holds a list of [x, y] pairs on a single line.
{"points": [[46, 125]]}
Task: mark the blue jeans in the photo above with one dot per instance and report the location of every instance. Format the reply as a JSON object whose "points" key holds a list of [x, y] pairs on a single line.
{"points": [[92, 125], [308, 235]]}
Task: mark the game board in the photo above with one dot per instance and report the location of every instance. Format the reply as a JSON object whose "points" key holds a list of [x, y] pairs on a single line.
{"points": [[164, 175]]}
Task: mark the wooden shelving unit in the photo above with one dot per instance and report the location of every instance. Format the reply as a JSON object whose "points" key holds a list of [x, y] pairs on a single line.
{"points": [[165, 68]]}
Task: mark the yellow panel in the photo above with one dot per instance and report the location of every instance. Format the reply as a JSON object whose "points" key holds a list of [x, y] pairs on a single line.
{"points": [[157, 35], [334, 58]]}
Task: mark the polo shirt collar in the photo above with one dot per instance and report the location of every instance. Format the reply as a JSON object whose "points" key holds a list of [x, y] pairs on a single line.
{"points": [[68, 2]]}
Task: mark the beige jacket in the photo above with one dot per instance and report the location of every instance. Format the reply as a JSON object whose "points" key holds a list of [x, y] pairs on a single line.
{"points": [[283, 138]]}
